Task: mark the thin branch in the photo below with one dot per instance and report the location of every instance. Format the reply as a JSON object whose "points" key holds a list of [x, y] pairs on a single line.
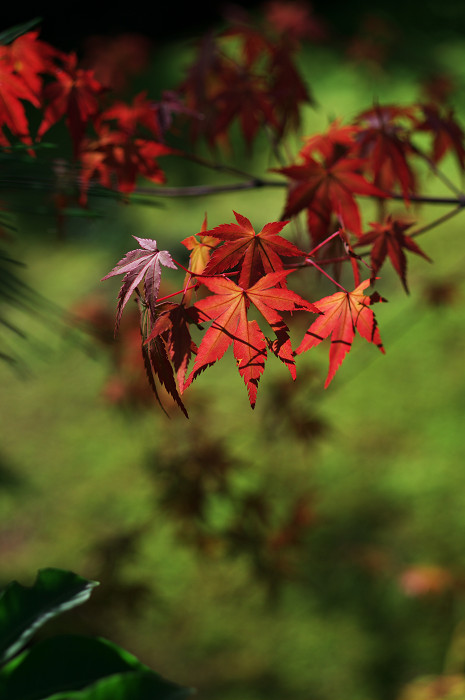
{"points": [[437, 221], [203, 190]]}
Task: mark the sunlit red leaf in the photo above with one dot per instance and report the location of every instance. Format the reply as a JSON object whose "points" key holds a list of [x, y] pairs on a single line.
{"points": [[227, 308], [343, 313], [260, 253]]}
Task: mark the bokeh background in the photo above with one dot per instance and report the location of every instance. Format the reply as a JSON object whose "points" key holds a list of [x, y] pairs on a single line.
{"points": [[312, 548]]}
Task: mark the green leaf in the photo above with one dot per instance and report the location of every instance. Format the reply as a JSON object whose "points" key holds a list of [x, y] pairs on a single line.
{"points": [[136, 685], [9, 35], [24, 609], [68, 663]]}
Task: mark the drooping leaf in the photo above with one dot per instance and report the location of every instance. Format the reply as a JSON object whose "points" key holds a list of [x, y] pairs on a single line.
{"points": [[343, 313], [155, 351], [137, 265], [172, 323], [24, 609]]}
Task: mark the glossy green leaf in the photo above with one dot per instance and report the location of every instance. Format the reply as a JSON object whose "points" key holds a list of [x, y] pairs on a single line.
{"points": [[24, 609], [136, 685], [68, 663]]}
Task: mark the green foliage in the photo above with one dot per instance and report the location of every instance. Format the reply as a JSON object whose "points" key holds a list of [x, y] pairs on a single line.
{"points": [[67, 666]]}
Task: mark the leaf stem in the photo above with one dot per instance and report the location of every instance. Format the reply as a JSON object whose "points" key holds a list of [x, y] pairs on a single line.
{"points": [[311, 262]]}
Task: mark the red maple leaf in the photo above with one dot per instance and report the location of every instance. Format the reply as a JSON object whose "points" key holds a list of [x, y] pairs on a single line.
{"points": [[343, 314], [144, 262], [172, 323], [156, 360], [261, 253], [14, 89], [243, 96], [287, 90], [128, 116], [336, 139], [384, 139], [327, 187], [31, 58], [447, 133], [74, 93], [389, 239], [227, 308], [118, 154]]}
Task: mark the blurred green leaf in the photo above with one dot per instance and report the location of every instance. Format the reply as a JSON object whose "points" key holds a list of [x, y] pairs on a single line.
{"points": [[135, 685], [71, 663], [24, 609], [9, 35]]}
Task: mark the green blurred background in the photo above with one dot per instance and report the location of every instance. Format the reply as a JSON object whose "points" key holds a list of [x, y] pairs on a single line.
{"points": [[312, 548]]}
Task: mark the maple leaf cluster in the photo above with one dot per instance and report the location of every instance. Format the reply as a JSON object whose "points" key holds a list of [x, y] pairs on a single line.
{"points": [[258, 258], [236, 285]]}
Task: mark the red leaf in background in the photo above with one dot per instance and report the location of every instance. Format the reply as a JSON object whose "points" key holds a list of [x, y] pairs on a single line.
{"points": [[343, 314], [447, 133], [389, 239], [328, 187], [337, 139], [115, 58], [426, 579], [74, 94], [287, 89], [241, 94], [118, 154], [254, 45], [260, 252], [127, 117], [143, 263], [384, 140], [295, 20], [30, 58], [13, 89]]}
